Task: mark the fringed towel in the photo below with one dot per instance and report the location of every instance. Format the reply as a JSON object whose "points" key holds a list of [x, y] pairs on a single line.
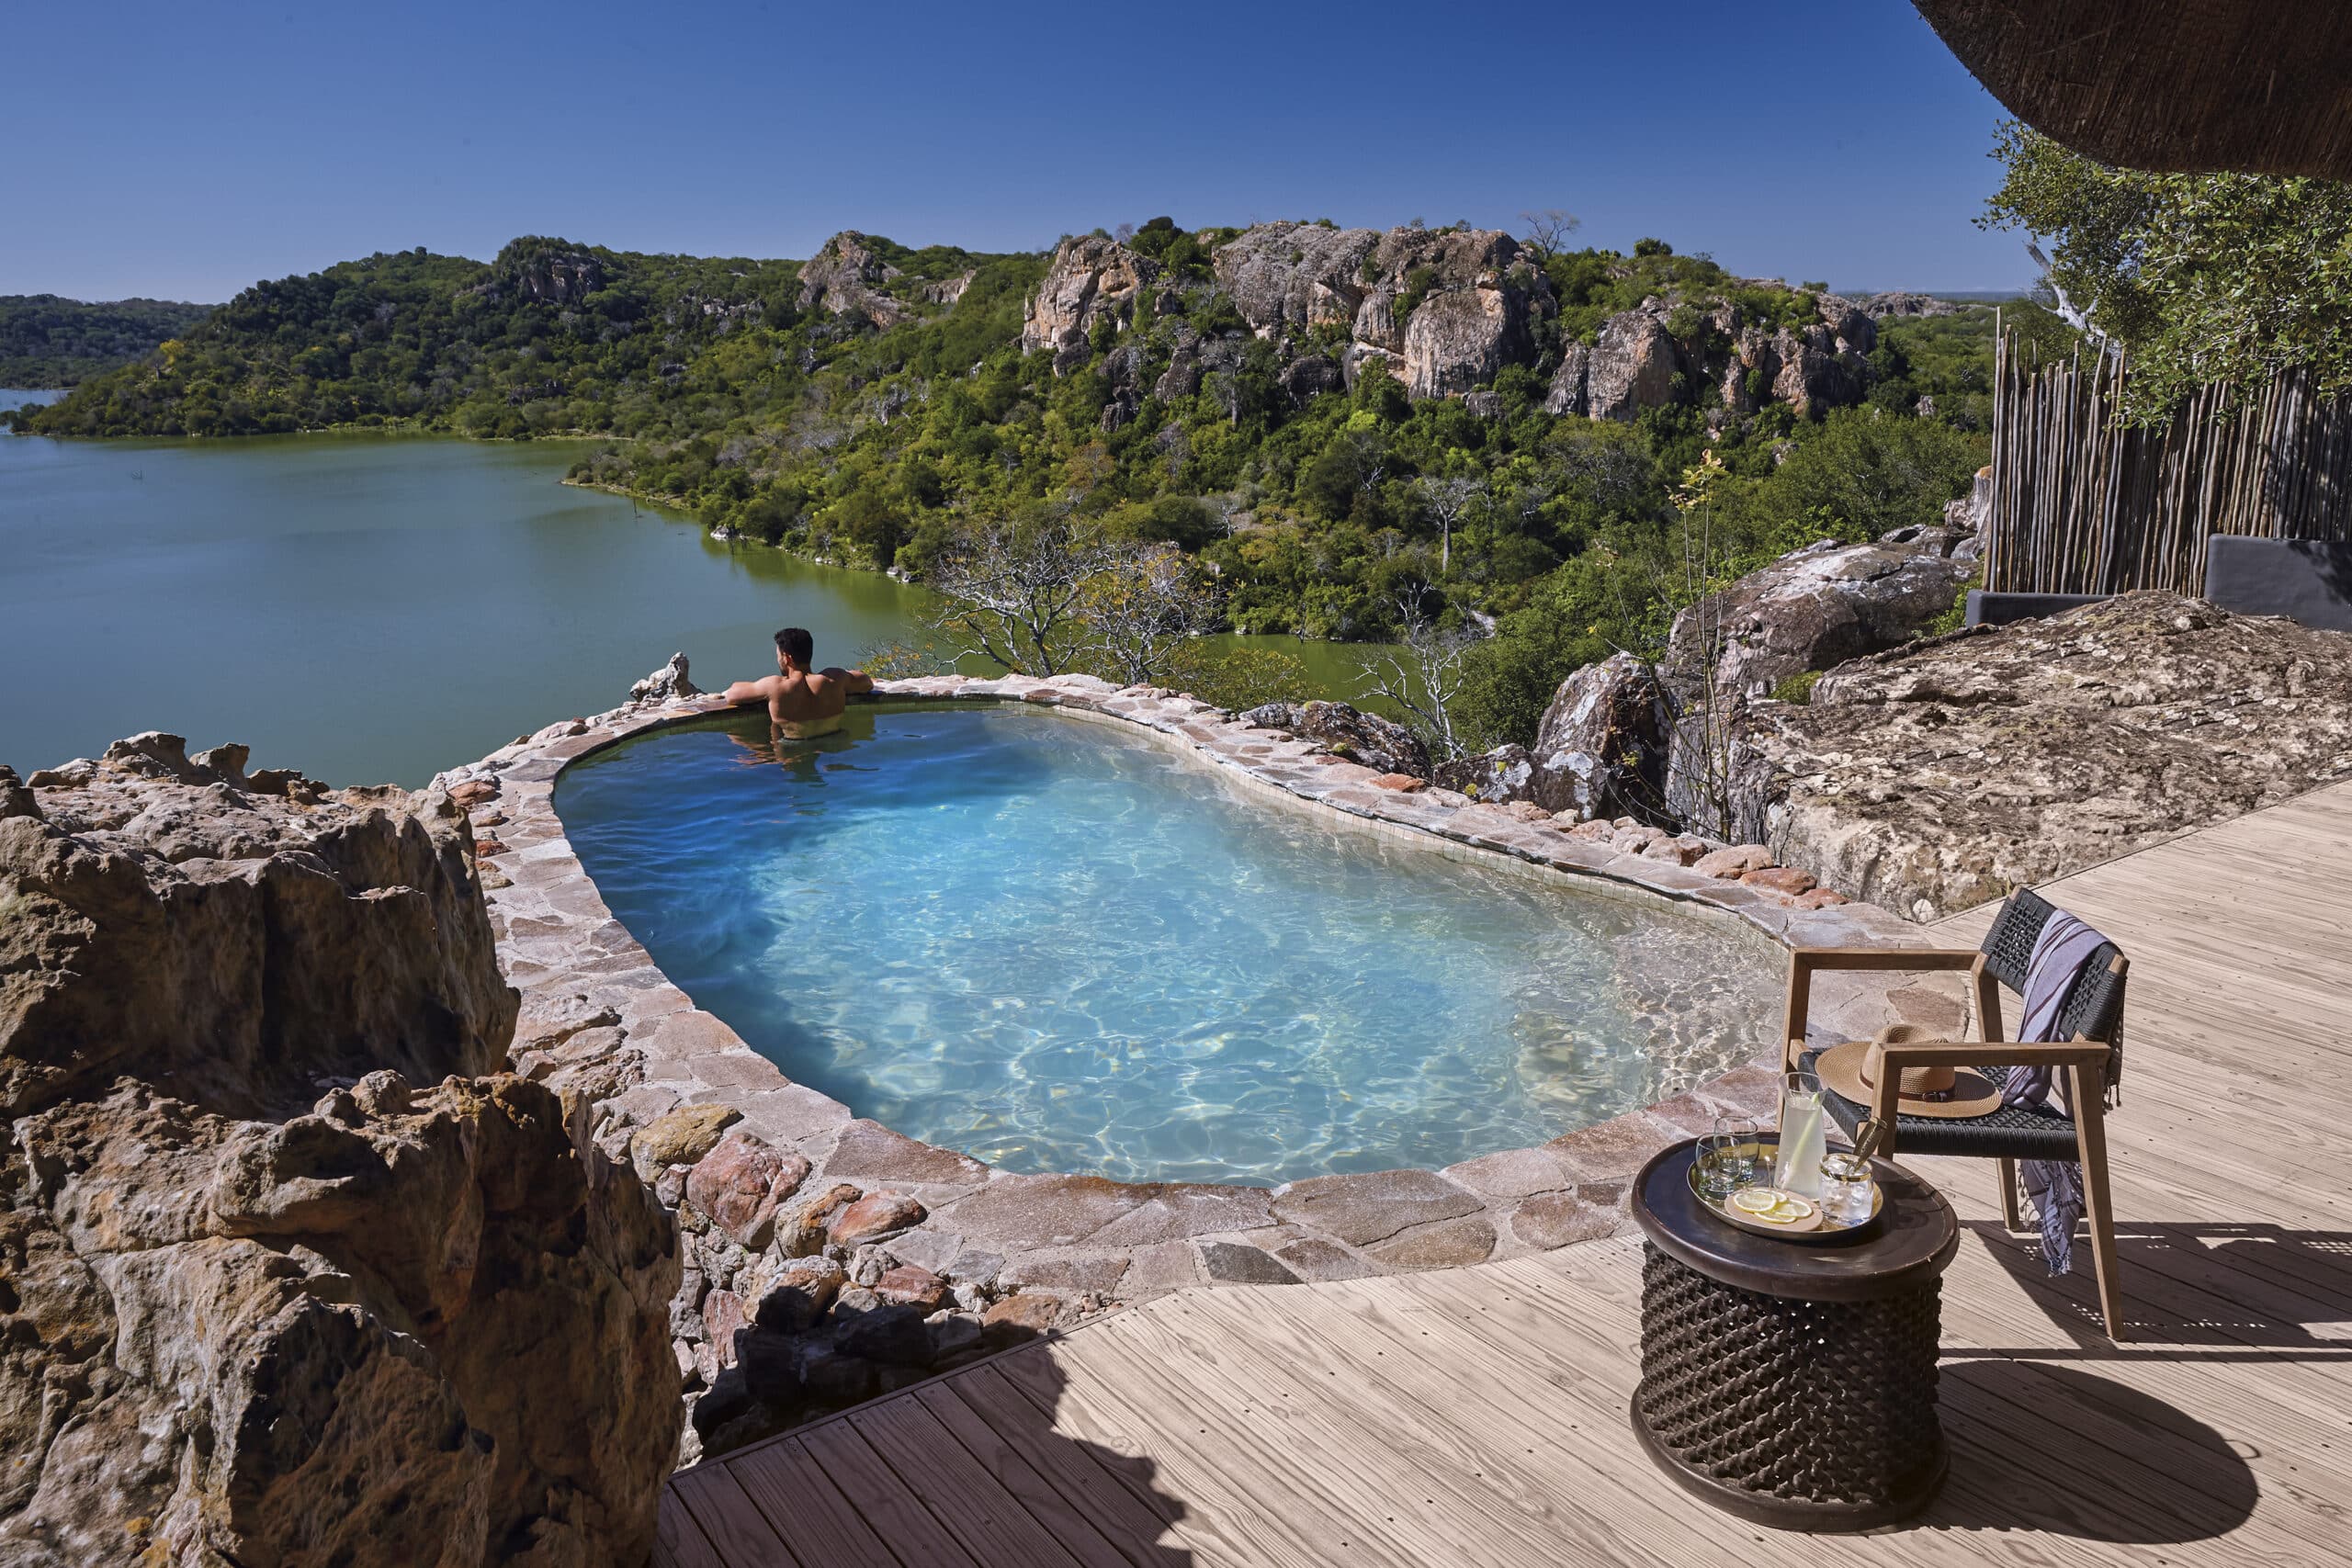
{"points": [[2053, 1186]]}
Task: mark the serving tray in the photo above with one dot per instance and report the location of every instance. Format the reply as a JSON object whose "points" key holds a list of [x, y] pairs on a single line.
{"points": [[1817, 1229]]}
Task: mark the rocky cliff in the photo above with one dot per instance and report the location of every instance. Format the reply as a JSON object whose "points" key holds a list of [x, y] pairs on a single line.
{"points": [[289, 1272], [1092, 279], [842, 277], [1446, 310]]}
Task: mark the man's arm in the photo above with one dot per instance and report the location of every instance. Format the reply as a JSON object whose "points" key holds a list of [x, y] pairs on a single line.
{"points": [[857, 682], [748, 691]]}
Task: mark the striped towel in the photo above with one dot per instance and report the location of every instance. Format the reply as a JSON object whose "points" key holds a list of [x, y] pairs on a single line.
{"points": [[2053, 1188]]}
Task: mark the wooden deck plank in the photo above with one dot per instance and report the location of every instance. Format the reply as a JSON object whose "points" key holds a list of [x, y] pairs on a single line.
{"points": [[739, 1532], [1213, 1475], [796, 1495], [982, 1409], [992, 1521], [1529, 1467], [1068, 1526], [871, 1488], [1478, 1415], [678, 1541]]}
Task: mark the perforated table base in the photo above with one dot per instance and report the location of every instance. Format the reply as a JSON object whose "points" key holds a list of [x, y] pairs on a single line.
{"points": [[1796, 1413]]}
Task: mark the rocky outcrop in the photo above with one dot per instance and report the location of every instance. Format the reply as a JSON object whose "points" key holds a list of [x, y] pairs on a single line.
{"points": [[1820, 606], [1445, 310], [841, 278], [665, 684], [1092, 279], [1287, 277], [1632, 366], [1601, 748], [1381, 744], [1941, 776], [1452, 307], [235, 937], [547, 272], [264, 1296], [1569, 391], [1903, 302], [1820, 368]]}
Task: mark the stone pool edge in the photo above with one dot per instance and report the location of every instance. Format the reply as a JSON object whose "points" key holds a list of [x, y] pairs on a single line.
{"points": [[667, 1079]]}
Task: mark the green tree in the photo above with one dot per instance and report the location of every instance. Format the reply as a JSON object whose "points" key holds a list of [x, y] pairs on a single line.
{"points": [[2198, 277]]}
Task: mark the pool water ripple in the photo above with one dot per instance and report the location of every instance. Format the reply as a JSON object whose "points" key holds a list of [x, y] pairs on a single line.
{"points": [[1057, 947]]}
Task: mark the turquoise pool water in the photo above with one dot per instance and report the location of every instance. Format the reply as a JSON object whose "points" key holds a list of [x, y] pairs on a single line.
{"points": [[1057, 946]]}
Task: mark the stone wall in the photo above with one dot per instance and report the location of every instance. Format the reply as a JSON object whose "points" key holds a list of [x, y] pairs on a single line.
{"points": [[828, 1257]]}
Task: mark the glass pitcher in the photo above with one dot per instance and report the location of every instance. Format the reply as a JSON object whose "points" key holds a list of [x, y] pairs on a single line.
{"points": [[1796, 1168]]}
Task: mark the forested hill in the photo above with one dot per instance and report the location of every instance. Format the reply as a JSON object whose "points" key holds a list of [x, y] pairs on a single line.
{"points": [[49, 341], [548, 336], [1337, 424]]}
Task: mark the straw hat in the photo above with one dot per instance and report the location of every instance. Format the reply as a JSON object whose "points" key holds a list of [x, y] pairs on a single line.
{"points": [[1956, 1091]]}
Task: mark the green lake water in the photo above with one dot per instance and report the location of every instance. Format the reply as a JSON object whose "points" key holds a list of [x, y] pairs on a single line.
{"points": [[375, 608]]}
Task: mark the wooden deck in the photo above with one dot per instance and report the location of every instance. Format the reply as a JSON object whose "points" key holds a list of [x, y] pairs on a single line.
{"points": [[1477, 1416]]}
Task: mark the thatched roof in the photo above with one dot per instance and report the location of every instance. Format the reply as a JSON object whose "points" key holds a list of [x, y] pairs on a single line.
{"points": [[2264, 86]]}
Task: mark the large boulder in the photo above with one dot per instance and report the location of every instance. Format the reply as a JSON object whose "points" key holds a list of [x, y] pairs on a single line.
{"points": [[1941, 775], [1376, 742], [1462, 338], [1289, 277], [263, 1297], [1601, 748], [1818, 607], [1092, 279], [1632, 366]]}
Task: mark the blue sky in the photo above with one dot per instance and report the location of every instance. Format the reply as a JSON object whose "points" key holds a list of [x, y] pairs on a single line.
{"points": [[187, 149]]}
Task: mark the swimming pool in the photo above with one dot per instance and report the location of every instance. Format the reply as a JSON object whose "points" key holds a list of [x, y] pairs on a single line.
{"points": [[1059, 947]]}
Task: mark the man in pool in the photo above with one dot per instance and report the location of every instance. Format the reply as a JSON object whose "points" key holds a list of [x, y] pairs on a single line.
{"points": [[801, 702]]}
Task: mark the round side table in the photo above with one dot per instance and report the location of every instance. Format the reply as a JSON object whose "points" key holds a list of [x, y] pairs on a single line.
{"points": [[1793, 1384]]}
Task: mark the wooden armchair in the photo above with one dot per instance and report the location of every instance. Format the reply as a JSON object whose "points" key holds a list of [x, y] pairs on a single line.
{"points": [[2084, 1057]]}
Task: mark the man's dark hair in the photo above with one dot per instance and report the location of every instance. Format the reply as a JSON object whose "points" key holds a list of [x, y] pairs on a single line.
{"points": [[797, 645]]}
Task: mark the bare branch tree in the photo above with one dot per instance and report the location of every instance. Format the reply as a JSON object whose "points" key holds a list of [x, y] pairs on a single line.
{"points": [[1547, 232], [1141, 608], [1013, 587], [1424, 676]]}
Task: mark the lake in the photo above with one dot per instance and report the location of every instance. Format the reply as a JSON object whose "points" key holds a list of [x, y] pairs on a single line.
{"points": [[374, 608], [18, 396]]}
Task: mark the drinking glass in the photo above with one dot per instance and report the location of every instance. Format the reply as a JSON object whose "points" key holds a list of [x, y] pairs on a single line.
{"points": [[1804, 1136], [1846, 1189], [1746, 1147], [1719, 1173]]}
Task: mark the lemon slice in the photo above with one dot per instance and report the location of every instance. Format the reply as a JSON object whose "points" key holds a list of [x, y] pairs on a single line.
{"points": [[1758, 1199], [1798, 1208]]}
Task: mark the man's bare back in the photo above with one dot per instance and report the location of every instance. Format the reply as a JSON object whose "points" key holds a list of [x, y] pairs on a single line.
{"points": [[801, 700]]}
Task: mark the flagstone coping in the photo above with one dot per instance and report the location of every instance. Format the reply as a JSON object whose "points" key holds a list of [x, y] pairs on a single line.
{"points": [[600, 1018]]}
